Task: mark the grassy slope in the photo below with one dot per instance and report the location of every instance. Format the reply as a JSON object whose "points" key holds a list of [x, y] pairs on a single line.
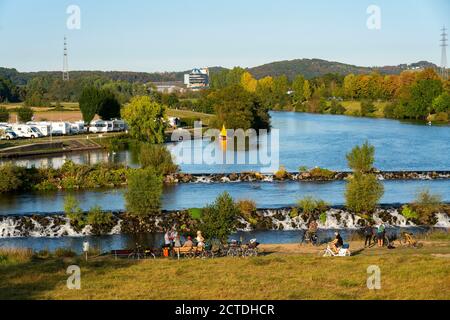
{"points": [[406, 274]]}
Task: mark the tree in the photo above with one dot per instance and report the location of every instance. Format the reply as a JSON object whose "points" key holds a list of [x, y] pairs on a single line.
{"points": [[109, 106], [143, 196], [89, 102], [367, 108], [423, 92], [25, 114], [297, 87], [350, 86], [363, 189], [363, 193], [248, 82], [336, 107], [4, 114], [307, 90], [237, 108], [361, 159], [145, 119], [442, 103], [157, 157], [219, 218]]}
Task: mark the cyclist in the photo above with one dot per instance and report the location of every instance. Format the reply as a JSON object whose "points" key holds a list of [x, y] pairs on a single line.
{"points": [[336, 243], [311, 234]]}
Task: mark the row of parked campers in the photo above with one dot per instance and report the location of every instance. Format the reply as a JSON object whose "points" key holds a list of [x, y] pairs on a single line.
{"points": [[43, 129]]}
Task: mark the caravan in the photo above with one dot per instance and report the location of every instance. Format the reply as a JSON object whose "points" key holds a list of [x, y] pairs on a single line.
{"points": [[44, 128], [60, 128], [26, 131]]}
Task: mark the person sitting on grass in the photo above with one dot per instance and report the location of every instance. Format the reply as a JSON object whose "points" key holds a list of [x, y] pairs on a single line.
{"points": [[188, 243], [177, 241], [200, 239], [336, 243]]}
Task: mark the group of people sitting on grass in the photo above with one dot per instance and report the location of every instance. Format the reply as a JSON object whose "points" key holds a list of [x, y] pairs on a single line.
{"points": [[172, 239]]}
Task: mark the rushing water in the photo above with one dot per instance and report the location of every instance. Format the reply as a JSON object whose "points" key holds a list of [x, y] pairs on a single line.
{"points": [[317, 140], [183, 196]]}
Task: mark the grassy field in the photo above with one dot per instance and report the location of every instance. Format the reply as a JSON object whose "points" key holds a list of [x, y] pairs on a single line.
{"points": [[284, 272], [355, 106], [71, 112]]}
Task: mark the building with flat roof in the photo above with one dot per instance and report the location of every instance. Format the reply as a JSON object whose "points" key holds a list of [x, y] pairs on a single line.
{"points": [[197, 79]]}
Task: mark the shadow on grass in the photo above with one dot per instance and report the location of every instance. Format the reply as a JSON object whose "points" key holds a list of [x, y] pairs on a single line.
{"points": [[30, 280]]}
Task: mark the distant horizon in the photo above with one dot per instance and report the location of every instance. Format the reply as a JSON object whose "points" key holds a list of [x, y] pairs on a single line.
{"points": [[217, 66]]}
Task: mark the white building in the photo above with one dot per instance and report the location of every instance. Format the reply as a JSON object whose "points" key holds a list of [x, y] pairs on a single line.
{"points": [[197, 79]]}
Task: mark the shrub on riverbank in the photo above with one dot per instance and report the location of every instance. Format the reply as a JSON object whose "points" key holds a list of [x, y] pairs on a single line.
{"points": [[143, 196], [363, 189], [101, 222], [427, 205], [157, 157], [74, 213], [312, 208], [219, 219]]}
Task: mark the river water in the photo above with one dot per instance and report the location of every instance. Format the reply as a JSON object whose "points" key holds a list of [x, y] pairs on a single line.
{"points": [[315, 140], [305, 140]]}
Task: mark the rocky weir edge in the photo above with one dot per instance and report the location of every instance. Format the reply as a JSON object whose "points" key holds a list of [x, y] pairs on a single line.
{"points": [[337, 217], [299, 176]]}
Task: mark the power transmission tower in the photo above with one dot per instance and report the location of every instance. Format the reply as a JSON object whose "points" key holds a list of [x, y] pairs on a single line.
{"points": [[444, 39], [65, 73]]}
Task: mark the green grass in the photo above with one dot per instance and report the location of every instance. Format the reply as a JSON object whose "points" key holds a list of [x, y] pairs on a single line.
{"points": [[405, 274], [355, 106]]}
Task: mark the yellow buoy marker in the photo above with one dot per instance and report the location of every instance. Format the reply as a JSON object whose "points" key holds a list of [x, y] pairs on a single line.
{"points": [[223, 133]]}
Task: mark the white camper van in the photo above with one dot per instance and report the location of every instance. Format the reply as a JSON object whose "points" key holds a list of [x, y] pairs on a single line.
{"points": [[26, 131], [44, 128], [77, 127], [60, 128], [118, 125], [99, 126]]}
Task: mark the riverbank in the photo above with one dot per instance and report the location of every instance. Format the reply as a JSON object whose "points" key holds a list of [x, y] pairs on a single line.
{"points": [[283, 272]]}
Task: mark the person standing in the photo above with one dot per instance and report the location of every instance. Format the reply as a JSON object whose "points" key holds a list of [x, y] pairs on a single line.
{"points": [[381, 231], [368, 233]]}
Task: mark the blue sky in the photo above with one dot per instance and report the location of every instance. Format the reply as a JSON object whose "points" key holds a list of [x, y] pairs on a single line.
{"points": [[174, 35]]}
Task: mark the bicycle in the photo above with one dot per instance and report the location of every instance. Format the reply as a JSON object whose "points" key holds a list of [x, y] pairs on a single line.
{"points": [[407, 240], [234, 249], [137, 253], [311, 238]]}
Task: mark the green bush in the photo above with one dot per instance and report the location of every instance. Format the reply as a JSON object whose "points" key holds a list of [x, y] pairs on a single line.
{"points": [[319, 173], [143, 196], [25, 114], [101, 222], [427, 205], [219, 219], [367, 108], [323, 217], [4, 114], [310, 205], [74, 213], [361, 159], [157, 157], [294, 213], [363, 193], [408, 213], [12, 178], [195, 213]]}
